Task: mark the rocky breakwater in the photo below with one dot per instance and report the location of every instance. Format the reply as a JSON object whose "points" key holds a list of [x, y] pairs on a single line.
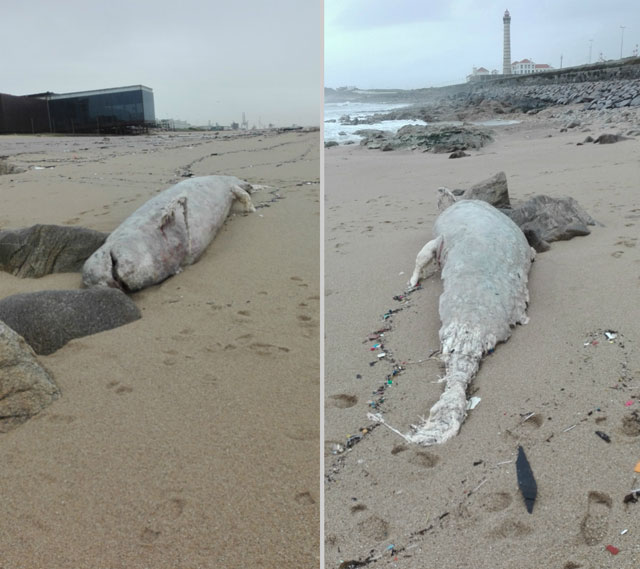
{"points": [[433, 138], [608, 94]]}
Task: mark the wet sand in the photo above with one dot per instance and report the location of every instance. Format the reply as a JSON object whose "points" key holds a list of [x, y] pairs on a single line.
{"points": [[549, 388], [189, 438]]}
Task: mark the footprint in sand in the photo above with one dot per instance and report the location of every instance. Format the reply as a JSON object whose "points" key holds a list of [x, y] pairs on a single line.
{"points": [[302, 433], [617, 254], [510, 529], [260, 348], [631, 424], [374, 528], [343, 401], [161, 518], [496, 501], [595, 522], [423, 459], [304, 498]]}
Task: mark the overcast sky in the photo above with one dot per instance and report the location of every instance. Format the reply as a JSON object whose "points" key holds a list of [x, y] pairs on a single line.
{"points": [[204, 59], [423, 43]]}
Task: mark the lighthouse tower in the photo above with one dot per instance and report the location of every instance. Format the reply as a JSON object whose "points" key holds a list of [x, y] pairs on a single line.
{"points": [[506, 59]]}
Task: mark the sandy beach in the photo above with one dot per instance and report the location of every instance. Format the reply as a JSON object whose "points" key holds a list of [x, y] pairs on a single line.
{"points": [[189, 438], [548, 389]]}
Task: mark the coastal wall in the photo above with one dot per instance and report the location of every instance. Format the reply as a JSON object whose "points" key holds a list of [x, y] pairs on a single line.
{"points": [[599, 86]]}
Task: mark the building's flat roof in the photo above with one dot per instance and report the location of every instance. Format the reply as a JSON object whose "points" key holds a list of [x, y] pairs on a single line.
{"points": [[99, 92]]}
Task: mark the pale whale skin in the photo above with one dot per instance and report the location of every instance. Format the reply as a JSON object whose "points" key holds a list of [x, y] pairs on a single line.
{"points": [[485, 262], [168, 232]]}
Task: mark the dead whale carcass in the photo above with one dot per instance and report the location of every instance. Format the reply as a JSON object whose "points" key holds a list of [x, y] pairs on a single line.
{"points": [[168, 232], [485, 261]]}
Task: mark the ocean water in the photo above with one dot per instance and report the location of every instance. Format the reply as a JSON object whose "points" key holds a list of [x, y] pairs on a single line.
{"points": [[345, 134]]}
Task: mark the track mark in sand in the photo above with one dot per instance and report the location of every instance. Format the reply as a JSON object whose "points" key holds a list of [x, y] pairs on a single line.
{"points": [[374, 528], [299, 280], [304, 318], [496, 501], [302, 433], [343, 401], [71, 221], [209, 379], [423, 459], [260, 348], [169, 361], [398, 449], [358, 508], [242, 317], [304, 498], [617, 254], [595, 522], [626, 241], [571, 565], [187, 331], [267, 349], [120, 389], [510, 529], [64, 419]]}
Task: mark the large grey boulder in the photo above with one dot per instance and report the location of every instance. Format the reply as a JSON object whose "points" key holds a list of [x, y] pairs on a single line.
{"points": [[493, 190], [43, 249], [551, 219], [438, 138], [48, 319], [26, 388], [609, 138]]}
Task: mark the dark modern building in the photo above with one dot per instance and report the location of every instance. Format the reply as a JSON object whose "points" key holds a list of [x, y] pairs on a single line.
{"points": [[122, 110], [22, 115]]}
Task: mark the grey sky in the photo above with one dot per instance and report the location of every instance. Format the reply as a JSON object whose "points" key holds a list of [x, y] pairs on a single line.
{"points": [[204, 59], [422, 43]]}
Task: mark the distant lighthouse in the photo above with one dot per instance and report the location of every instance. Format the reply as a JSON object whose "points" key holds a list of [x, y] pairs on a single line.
{"points": [[506, 59]]}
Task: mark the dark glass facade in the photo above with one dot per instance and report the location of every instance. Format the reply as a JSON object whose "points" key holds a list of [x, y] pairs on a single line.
{"points": [[108, 111], [22, 115], [124, 110]]}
